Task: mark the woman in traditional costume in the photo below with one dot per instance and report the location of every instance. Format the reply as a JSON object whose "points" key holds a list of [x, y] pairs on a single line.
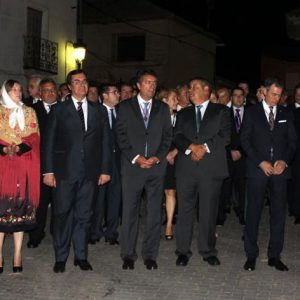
{"points": [[19, 169]]}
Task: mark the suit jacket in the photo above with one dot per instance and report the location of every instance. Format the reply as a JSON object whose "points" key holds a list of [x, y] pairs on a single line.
{"points": [[214, 130], [235, 143], [43, 117], [132, 135], [69, 150], [257, 139], [116, 152]]}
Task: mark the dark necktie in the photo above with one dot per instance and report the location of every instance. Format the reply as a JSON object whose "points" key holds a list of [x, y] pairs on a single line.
{"points": [[113, 119], [49, 108], [237, 120], [198, 116], [81, 115], [271, 118]]}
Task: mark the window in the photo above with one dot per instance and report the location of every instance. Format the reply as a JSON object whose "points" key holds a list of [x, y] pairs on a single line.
{"points": [[34, 22], [130, 48]]}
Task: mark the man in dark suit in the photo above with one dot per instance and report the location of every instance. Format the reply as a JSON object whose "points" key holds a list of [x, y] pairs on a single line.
{"points": [[144, 134], [108, 197], [42, 108], [33, 90], [269, 139], [201, 134], [294, 187], [76, 157], [237, 162]]}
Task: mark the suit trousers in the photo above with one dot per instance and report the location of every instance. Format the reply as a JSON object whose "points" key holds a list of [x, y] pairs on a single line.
{"points": [[208, 190], [256, 188], [37, 234], [72, 211], [132, 188], [107, 203]]}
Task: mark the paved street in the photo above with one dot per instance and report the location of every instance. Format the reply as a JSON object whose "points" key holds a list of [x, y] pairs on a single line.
{"points": [[196, 281]]}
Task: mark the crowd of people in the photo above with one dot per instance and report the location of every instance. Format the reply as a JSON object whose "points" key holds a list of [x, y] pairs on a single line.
{"points": [[95, 153]]}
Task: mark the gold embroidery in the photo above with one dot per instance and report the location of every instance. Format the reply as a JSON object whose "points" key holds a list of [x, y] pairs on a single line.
{"points": [[15, 135]]}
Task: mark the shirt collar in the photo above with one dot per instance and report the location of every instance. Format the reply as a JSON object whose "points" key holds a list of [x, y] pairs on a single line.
{"points": [[108, 107], [141, 100], [267, 106], [84, 100], [203, 104]]}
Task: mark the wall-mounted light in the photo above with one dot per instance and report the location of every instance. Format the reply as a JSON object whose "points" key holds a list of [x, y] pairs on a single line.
{"points": [[79, 53]]}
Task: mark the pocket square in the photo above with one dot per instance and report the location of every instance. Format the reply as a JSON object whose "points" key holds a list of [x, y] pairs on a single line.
{"points": [[282, 121]]}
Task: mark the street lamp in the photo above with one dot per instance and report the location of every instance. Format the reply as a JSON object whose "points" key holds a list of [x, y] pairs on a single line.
{"points": [[79, 53]]}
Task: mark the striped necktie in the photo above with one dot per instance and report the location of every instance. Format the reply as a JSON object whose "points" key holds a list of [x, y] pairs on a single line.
{"points": [[81, 115]]}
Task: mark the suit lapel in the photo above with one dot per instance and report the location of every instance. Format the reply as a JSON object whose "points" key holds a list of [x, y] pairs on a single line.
{"points": [[137, 110], [263, 116], [153, 112], [72, 110], [279, 116], [207, 115]]}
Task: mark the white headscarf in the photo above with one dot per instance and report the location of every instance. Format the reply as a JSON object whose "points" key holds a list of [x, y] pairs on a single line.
{"points": [[17, 114]]}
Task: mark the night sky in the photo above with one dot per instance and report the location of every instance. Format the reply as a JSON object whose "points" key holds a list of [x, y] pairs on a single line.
{"points": [[245, 27]]}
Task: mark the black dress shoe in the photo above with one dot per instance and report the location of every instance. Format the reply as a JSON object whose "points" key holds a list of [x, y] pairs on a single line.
{"points": [[182, 260], [220, 222], [128, 264], [112, 241], [212, 260], [250, 264], [242, 220], [2, 268], [83, 264], [18, 269], [297, 220], [150, 264], [32, 244], [59, 267], [93, 241], [278, 264]]}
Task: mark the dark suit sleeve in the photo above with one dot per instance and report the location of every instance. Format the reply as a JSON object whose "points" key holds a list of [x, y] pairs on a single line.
{"points": [[180, 140], [121, 133], [23, 148], [166, 136], [246, 138], [106, 146], [292, 139], [222, 138], [48, 147]]}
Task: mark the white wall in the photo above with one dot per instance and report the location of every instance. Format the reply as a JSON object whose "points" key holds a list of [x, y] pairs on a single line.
{"points": [[59, 25]]}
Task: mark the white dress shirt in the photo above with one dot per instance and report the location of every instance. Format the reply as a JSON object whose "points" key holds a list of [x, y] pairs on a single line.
{"points": [[267, 110], [109, 113], [241, 112]]}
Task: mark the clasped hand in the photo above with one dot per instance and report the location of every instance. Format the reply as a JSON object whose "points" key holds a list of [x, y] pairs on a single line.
{"points": [[11, 150], [198, 151], [147, 163], [277, 169]]}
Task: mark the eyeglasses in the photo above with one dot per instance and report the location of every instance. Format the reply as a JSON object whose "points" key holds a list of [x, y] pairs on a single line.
{"points": [[116, 92], [80, 82], [49, 91]]}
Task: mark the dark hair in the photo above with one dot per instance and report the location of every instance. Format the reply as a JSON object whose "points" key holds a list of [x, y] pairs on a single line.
{"points": [[105, 87], [62, 84], [10, 83], [238, 89], [141, 73], [72, 73], [273, 80], [204, 82], [47, 80]]}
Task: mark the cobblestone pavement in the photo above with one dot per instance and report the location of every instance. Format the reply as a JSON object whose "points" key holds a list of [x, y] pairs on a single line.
{"points": [[196, 281]]}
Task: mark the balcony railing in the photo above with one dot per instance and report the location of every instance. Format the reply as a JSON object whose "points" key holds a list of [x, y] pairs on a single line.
{"points": [[40, 54]]}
